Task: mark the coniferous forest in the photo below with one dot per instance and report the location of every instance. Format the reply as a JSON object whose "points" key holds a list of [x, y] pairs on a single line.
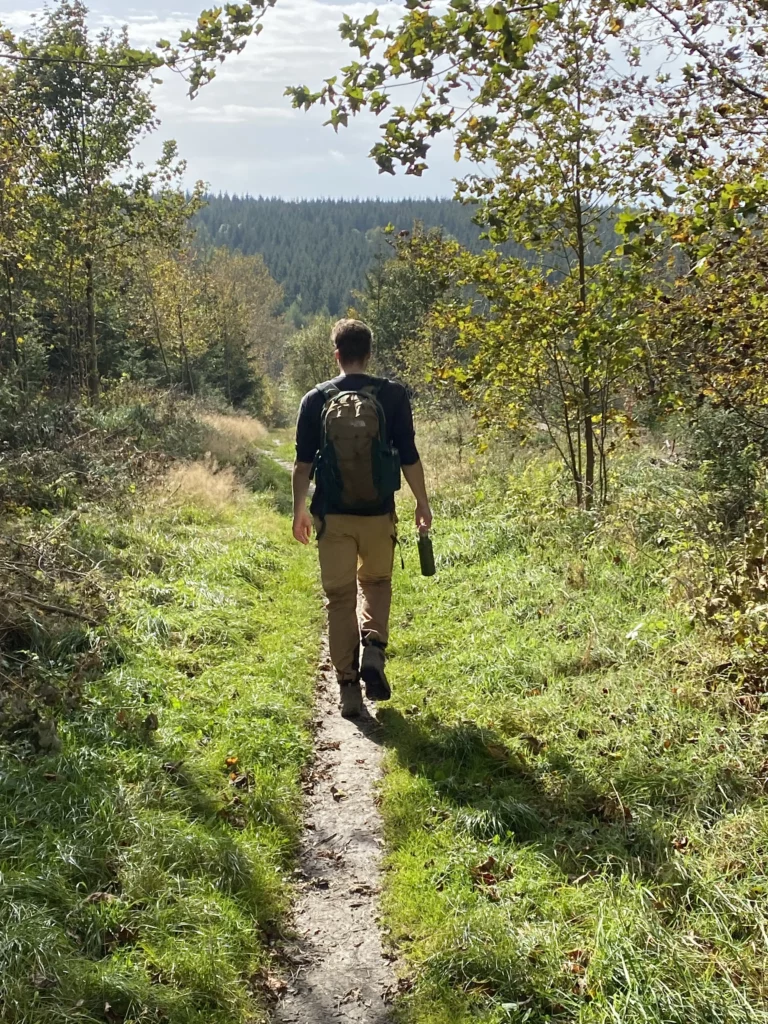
{"points": [[319, 250]]}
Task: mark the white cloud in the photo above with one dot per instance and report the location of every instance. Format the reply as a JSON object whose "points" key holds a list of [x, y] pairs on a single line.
{"points": [[241, 133]]}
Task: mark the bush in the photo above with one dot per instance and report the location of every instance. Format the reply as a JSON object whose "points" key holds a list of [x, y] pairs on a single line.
{"points": [[310, 355], [732, 449]]}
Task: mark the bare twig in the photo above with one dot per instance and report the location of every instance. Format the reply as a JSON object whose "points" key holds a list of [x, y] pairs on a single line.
{"points": [[64, 523], [44, 606]]}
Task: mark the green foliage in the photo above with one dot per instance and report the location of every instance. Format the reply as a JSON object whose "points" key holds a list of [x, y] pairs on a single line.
{"points": [[320, 250], [575, 798], [398, 297], [549, 162], [556, 134], [97, 278], [56, 454], [310, 355], [732, 451], [75, 134]]}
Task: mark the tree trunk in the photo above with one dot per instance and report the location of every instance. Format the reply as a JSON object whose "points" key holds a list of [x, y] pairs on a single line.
{"points": [[184, 353], [71, 335], [13, 354], [586, 383], [228, 371], [94, 381], [70, 350], [589, 445], [159, 339]]}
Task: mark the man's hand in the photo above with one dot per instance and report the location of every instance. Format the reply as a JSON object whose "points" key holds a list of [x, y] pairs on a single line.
{"points": [[302, 526], [423, 517], [302, 520]]}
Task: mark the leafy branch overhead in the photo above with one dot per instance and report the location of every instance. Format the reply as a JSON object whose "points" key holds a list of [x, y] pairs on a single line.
{"points": [[464, 61], [219, 33]]}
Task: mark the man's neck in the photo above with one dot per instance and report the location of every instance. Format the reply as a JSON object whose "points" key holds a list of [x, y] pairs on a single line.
{"points": [[353, 368]]}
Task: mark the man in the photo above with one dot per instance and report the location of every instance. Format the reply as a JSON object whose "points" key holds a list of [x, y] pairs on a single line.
{"points": [[353, 507]]}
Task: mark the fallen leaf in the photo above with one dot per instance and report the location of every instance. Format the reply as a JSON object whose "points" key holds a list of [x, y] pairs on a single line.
{"points": [[101, 897], [41, 982]]}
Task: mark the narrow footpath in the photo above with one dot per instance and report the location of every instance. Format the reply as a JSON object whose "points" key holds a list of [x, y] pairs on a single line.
{"points": [[339, 969]]}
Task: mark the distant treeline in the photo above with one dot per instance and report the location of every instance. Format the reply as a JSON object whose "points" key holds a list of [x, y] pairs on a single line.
{"points": [[319, 250]]}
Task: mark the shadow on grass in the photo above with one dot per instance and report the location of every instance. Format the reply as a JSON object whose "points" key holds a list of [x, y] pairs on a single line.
{"points": [[495, 790]]}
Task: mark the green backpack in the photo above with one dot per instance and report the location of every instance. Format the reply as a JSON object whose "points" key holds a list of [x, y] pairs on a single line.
{"points": [[357, 469]]}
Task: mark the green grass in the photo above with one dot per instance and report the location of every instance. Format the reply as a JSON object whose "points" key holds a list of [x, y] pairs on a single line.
{"points": [[142, 867], [575, 805]]}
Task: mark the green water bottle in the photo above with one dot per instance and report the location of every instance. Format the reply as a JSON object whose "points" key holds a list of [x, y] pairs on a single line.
{"points": [[426, 554]]}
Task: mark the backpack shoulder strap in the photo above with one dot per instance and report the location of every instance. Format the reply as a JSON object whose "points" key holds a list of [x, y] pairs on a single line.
{"points": [[375, 386], [373, 390], [328, 390]]}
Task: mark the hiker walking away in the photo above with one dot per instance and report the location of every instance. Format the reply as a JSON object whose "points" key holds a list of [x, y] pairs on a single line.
{"points": [[354, 433]]}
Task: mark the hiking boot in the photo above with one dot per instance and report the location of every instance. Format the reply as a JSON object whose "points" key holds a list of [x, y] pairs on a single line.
{"points": [[372, 671], [351, 698]]}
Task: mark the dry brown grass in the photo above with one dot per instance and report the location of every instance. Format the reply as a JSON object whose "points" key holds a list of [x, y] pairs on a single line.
{"points": [[228, 436], [204, 483]]}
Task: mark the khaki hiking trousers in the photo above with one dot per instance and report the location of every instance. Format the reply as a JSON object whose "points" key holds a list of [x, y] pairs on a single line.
{"points": [[356, 549]]}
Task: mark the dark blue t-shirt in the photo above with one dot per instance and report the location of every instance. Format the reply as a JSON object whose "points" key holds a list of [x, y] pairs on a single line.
{"points": [[397, 412]]}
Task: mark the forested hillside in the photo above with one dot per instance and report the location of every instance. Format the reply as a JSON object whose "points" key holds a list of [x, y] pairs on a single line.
{"points": [[319, 249]]}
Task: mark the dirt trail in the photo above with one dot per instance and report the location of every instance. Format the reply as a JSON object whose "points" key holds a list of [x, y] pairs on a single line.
{"points": [[339, 970], [283, 463]]}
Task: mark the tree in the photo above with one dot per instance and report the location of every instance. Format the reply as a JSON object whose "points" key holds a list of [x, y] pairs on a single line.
{"points": [[17, 232], [247, 337], [85, 106], [400, 290], [310, 355], [183, 321]]}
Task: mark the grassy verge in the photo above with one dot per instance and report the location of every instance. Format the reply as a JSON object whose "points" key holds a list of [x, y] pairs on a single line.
{"points": [[575, 803], [145, 838]]}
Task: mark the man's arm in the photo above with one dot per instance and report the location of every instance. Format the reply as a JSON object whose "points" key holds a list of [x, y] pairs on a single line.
{"points": [[307, 440], [302, 520], [404, 438], [414, 474]]}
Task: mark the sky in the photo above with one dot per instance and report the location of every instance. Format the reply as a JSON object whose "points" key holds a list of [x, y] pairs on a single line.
{"points": [[240, 134]]}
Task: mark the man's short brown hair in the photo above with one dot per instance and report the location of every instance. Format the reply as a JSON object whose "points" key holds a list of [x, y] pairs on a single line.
{"points": [[353, 339]]}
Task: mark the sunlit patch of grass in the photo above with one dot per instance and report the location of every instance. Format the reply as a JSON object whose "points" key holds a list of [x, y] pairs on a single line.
{"points": [[261, 473], [227, 436], [575, 806], [142, 864], [203, 483]]}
